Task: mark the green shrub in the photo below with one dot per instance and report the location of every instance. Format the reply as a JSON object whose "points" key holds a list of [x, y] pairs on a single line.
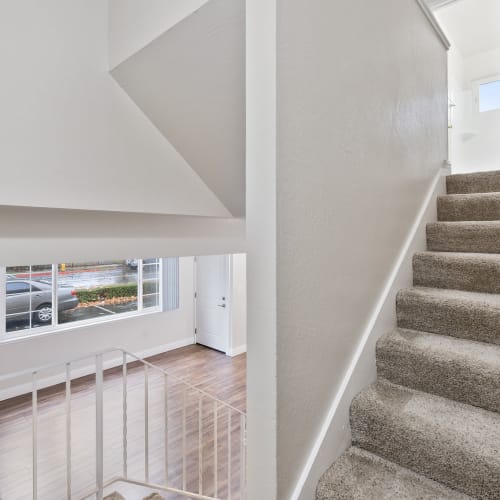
{"points": [[107, 292]]}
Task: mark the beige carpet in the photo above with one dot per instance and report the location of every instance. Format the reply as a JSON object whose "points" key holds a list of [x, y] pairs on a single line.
{"points": [[429, 428]]}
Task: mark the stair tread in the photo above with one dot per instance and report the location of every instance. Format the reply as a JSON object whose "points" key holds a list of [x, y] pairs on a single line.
{"points": [[459, 369], [469, 207], [451, 442], [472, 257], [479, 272], [445, 294], [464, 236], [360, 475], [480, 224], [442, 346], [483, 182], [456, 313], [494, 195]]}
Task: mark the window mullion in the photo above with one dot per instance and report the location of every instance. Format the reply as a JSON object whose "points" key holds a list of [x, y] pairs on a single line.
{"points": [[3, 301], [30, 307], [55, 303], [140, 304]]}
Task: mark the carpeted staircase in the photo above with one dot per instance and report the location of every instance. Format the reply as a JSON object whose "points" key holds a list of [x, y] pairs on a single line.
{"points": [[429, 428]]}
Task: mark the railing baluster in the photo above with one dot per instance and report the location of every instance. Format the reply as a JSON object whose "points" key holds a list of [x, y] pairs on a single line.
{"points": [[184, 481], [68, 431], [125, 418], [146, 423], [216, 465], [229, 454], [188, 421], [34, 413], [243, 449], [200, 445], [165, 385], [99, 379]]}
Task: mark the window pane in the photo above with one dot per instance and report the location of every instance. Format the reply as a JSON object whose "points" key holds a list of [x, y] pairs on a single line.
{"points": [[489, 96], [103, 288], [150, 283], [28, 301]]}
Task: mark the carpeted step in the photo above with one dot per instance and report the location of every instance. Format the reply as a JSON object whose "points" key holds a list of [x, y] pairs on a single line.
{"points": [[474, 272], [360, 475], [114, 496], [453, 443], [479, 182], [467, 315], [469, 207], [458, 369], [479, 237]]}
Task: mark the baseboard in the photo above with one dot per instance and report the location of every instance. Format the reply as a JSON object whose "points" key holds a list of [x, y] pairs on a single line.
{"points": [[20, 389], [236, 351], [334, 436]]}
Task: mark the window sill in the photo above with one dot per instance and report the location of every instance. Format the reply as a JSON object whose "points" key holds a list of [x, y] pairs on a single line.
{"points": [[43, 331]]}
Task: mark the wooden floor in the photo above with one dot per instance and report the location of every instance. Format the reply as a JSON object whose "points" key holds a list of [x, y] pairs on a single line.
{"points": [[192, 420]]}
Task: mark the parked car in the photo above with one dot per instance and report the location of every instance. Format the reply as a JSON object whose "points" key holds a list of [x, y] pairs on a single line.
{"points": [[20, 292]]}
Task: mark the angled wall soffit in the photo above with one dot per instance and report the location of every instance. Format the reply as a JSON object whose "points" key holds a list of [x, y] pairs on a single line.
{"points": [[190, 82]]}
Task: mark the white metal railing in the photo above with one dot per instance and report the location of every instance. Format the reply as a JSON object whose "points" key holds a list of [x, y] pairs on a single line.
{"points": [[189, 442]]}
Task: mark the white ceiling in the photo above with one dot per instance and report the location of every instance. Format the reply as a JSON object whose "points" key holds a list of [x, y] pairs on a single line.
{"points": [[473, 26]]}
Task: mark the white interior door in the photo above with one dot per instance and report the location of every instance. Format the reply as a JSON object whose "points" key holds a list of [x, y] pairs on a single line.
{"points": [[212, 301]]}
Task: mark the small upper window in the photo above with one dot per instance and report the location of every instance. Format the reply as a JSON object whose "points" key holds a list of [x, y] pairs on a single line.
{"points": [[489, 96]]}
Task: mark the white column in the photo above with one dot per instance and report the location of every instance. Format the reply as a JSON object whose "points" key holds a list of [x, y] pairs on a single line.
{"points": [[261, 236]]}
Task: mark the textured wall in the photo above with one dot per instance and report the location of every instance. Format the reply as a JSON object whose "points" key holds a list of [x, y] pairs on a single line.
{"points": [[362, 131]]}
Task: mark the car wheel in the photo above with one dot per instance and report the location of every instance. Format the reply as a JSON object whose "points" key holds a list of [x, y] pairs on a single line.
{"points": [[43, 314]]}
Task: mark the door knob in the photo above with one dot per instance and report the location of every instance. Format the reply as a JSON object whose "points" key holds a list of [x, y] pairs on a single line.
{"points": [[221, 305]]}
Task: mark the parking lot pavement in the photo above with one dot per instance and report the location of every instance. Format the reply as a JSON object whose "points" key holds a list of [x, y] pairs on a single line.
{"points": [[96, 311], [86, 313]]}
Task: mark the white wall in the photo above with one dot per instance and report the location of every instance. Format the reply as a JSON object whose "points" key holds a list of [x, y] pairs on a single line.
{"points": [[190, 82], [146, 334], [474, 144], [238, 328], [361, 134], [30, 235], [69, 136], [135, 23]]}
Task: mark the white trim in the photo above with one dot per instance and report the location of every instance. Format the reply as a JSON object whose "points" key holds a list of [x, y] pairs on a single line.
{"points": [[18, 390], [434, 23], [29, 333], [236, 351], [3, 280], [384, 312], [438, 4]]}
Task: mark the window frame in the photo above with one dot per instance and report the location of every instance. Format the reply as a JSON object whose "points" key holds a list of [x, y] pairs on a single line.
{"points": [[477, 94], [56, 328]]}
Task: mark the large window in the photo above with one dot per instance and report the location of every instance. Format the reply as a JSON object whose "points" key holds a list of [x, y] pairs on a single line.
{"points": [[87, 291]]}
